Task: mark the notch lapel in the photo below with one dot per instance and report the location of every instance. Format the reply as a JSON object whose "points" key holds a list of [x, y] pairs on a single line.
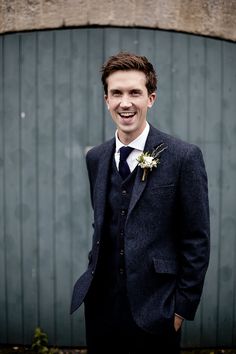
{"points": [[153, 140]]}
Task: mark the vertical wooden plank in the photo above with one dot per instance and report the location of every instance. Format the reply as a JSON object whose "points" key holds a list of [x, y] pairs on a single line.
{"points": [[145, 43], [213, 165], [3, 297], [95, 102], [227, 275], [12, 190], [28, 184], [196, 96], [180, 85], [62, 183], [196, 126], [146, 47], [45, 164], [163, 64], [111, 47], [128, 40], [95, 97], [80, 203]]}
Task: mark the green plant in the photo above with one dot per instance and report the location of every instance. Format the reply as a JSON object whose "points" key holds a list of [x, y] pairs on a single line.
{"points": [[40, 343]]}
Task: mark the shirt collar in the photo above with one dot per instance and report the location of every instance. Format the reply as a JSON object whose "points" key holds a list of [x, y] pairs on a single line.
{"points": [[138, 143]]}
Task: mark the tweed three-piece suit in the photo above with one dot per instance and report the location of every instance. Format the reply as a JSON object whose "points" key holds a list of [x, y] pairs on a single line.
{"points": [[165, 233]]}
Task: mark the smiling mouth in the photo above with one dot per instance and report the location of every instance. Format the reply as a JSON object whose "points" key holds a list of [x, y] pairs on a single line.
{"points": [[126, 114]]}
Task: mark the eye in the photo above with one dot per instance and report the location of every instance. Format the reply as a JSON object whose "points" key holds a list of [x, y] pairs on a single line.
{"points": [[135, 93], [116, 93]]}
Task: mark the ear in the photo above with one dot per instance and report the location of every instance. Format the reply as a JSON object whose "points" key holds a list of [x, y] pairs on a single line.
{"points": [[107, 101], [151, 99]]}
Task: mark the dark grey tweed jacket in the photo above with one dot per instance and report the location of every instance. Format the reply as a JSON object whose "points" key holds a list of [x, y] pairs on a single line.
{"points": [[166, 232]]}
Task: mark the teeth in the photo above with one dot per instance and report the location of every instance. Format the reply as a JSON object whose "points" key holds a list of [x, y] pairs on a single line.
{"points": [[127, 114]]}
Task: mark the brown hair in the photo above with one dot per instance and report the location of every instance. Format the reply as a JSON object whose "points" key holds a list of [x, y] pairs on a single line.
{"points": [[129, 61]]}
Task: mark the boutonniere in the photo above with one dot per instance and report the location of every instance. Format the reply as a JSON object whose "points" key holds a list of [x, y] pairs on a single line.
{"points": [[148, 160]]}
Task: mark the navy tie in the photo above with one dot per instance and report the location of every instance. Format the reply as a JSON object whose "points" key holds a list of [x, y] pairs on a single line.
{"points": [[123, 165]]}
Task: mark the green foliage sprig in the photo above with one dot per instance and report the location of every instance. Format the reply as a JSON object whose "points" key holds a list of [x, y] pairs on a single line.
{"points": [[40, 343]]}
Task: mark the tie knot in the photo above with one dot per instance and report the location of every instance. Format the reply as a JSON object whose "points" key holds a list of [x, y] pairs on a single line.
{"points": [[124, 152]]}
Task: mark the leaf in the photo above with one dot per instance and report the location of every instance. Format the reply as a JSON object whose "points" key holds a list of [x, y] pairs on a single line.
{"points": [[158, 150]]}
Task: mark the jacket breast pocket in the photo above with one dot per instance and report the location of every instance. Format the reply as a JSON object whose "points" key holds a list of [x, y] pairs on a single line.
{"points": [[164, 188], [163, 196]]}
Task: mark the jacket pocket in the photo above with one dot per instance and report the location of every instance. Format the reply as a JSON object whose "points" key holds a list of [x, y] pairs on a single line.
{"points": [[165, 190], [166, 185], [165, 266]]}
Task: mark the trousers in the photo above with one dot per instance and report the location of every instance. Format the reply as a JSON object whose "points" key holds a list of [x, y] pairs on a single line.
{"points": [[111, 329]]}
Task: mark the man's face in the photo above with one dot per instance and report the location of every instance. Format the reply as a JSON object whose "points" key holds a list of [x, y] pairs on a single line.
{"points": [[128, 101]]}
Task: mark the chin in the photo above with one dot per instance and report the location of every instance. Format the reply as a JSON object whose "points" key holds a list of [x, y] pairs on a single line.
{"points": [[129, 126], [127, 129]]}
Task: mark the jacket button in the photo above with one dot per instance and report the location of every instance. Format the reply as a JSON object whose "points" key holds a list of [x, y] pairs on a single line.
{"points": [[92, 272], [124, 192], [98, 242], [121, 271], [121, 252], [122, 212]]}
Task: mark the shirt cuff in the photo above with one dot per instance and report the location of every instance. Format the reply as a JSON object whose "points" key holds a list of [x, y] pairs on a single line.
{"points": [[182, 318]]}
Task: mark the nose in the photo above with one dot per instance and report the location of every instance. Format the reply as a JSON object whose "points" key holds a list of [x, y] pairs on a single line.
{"points": [[125, 102]]}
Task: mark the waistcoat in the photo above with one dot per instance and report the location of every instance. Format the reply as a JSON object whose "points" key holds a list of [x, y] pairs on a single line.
{"points": [[111, 264]]}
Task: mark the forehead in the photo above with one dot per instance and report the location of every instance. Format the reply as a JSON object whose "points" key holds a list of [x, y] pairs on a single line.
{"points": [[126, 79]]}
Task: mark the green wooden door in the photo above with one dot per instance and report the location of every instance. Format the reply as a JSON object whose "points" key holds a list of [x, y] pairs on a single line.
{"points": [[51, 112]]}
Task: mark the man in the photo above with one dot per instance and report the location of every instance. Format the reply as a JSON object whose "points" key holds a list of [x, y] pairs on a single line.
{"points": [[150, 247]]}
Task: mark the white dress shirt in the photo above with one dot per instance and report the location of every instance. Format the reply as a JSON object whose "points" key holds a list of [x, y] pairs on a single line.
{"points": [[138, 144]]}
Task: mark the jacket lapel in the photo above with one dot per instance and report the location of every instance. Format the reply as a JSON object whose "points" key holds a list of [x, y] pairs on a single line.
{"points": [[153, 140]]}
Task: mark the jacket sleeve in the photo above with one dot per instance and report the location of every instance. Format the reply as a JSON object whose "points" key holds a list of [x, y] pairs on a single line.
{"points": [[194, 243], [90, 165]]}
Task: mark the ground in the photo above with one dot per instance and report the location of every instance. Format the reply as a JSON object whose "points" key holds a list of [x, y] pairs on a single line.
{"points": [[18, 350]]}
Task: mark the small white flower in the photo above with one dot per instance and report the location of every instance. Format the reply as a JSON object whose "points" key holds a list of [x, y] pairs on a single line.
{"points": [[147, 161]]}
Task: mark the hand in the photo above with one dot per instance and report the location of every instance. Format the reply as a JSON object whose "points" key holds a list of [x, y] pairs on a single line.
{"points": [[178, 322]]}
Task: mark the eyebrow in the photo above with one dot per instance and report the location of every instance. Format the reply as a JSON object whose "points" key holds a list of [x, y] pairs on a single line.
{"points": [[136, 90], [132, 90], [115, 90]]}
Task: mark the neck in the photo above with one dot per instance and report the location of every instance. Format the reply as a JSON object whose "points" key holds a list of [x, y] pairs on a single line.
{"points": [[128, 138]]}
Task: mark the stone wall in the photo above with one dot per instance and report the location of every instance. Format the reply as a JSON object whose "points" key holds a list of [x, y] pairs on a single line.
{"points": [[215, 18]]}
